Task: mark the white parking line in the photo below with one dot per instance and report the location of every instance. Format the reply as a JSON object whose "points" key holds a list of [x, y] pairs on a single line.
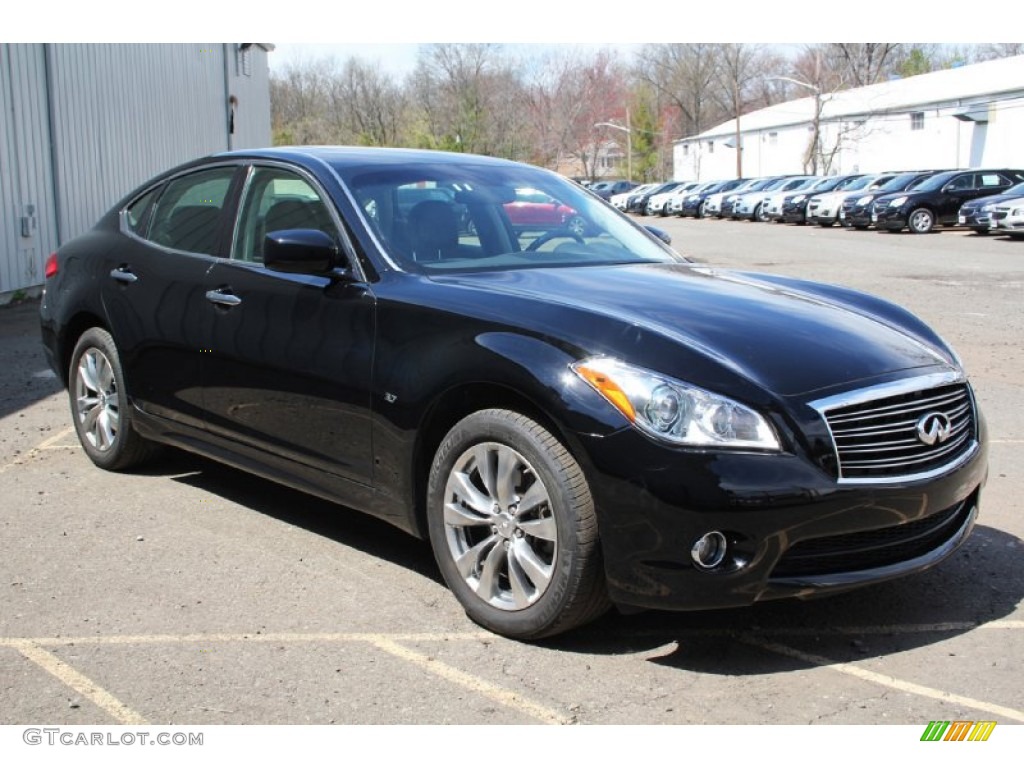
{"points": [[384, 642], [884, 680], [79, 682], [503, 696], [47, 444]]}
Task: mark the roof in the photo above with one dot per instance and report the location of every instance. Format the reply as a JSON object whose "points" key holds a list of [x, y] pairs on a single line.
{"points": [[961, 85]]}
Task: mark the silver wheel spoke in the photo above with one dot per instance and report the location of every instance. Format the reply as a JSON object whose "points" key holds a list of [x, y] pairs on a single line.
{"points": [[468, 561], [459, 516], [536, 569], [484, 467], [508, 473], [105, 430], [521, 589], [87, 372], [468, 494], [542, 528], [534, 497], [488, 587], [105, 375], [89, 421]]}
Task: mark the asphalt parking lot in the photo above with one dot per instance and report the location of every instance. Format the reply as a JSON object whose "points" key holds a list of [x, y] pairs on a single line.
{"points": [[192, 593]]}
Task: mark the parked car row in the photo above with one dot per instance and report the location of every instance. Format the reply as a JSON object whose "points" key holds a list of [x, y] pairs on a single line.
{"points": [[983, 199]]}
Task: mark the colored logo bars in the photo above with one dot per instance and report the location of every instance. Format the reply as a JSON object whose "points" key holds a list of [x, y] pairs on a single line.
{"points": [[958, 730]]}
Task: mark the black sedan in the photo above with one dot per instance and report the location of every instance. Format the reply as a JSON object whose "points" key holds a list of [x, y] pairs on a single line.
{"points": [[937, 200], [573, 420]]}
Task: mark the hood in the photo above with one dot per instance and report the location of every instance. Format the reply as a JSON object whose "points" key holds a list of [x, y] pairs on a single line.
{"points": [[789, 337]]}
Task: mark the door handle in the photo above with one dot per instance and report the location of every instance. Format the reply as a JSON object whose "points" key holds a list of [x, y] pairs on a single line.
{"points": [[219, 297], [124, 274]]}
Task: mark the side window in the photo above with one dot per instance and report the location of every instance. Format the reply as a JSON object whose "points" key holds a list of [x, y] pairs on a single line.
{"points": [[187, 215], [278, 199], [962, 182], [989, 180], [135, 215]]}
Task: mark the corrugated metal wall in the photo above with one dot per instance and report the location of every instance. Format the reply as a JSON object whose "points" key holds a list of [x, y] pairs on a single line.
{"points": [[27, 223], [122, 113], [82, 125]]}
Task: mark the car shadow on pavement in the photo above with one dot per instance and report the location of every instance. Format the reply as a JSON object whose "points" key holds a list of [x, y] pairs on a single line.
{"points": [[981, 583], [25, 376], [322, 518]]}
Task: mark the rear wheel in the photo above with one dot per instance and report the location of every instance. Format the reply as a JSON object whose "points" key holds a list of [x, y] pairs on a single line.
{"points": [[513, 527], [99, 404]]}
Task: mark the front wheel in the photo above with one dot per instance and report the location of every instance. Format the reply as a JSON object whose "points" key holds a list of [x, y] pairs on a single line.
{"points": [[513, 527], [921, 221], [99, 404]]}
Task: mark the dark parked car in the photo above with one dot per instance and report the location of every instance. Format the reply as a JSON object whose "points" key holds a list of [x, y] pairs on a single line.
{"points": [[693, 204], [572, 421], [796, 207], [605, 189], [638, 203], [977, 214], [937, 200], [856, 209]]}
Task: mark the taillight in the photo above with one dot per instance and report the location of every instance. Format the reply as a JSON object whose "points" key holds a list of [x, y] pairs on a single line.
{"points": [[51, 266]]}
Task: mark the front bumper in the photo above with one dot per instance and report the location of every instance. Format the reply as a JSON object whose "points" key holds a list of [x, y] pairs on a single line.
{"points": [[793, 531], [888, 217]]}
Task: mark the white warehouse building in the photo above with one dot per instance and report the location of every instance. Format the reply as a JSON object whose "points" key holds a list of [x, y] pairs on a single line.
{"points": [[82, 125], [965, 117]]}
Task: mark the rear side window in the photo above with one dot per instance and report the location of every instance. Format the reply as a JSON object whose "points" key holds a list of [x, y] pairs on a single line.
{"points": [[993, 180], [187, 215], [135, 215]]}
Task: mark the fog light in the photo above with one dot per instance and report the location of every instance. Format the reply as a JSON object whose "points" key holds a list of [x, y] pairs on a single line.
{"points": [[709, 550]]}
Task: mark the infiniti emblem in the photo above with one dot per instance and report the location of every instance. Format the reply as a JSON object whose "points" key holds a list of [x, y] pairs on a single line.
{"points": [[933, 428]]}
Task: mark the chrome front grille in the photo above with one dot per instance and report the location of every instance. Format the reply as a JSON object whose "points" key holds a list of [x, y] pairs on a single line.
{"points": [[901, 434]]}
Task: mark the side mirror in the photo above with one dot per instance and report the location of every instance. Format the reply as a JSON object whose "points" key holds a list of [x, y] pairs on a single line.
{"points": [[301, 251], [661, 234]]}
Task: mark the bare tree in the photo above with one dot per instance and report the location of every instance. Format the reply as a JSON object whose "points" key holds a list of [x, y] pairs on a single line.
{"points": [[570, 94]]}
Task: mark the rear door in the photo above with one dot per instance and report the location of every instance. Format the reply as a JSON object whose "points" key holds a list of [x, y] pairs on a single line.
{"points": [[153, 286]]}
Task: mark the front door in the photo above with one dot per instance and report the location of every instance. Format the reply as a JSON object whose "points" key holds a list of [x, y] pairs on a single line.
{"points": [[289, 369]]}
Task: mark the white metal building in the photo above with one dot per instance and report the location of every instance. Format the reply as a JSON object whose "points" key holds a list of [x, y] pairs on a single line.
{"points": [[956, 118], [81, 125]]}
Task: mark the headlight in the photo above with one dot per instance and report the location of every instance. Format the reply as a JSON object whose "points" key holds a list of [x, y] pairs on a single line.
{"points": [[985, 208], [799, 198], [896, 202], [1017, 212], [673, 411], [865, 200]]}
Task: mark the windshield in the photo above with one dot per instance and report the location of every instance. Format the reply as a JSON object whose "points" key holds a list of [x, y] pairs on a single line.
{"points": [[467, 216], [934, 183], [862, 183]]}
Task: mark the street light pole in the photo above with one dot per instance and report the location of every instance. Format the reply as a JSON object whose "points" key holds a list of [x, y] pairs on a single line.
{"points": [[628, 128], [816, 143]]}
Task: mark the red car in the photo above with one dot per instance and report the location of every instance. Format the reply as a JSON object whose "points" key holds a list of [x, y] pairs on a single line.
{"points": [[532, 208]]}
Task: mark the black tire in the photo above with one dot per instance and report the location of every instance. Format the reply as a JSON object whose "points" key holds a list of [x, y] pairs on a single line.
{"points": [[759, 214], [100, 409], [921, 221], [700, 211], [556, 581]]}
